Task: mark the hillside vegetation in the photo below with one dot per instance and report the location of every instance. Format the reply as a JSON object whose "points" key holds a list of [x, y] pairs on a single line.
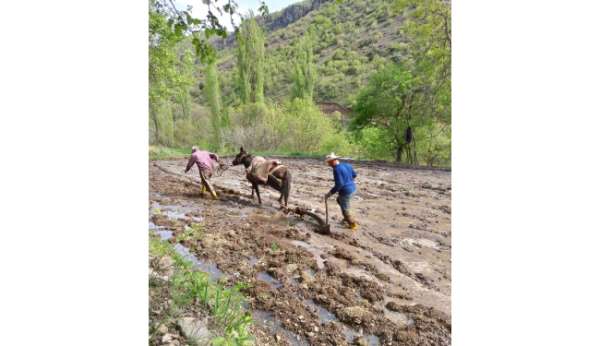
{"points": [[383, 66], [353, 39]]}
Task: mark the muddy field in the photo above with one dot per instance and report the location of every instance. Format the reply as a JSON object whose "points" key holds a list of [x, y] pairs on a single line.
{"points": [[388, 283]]}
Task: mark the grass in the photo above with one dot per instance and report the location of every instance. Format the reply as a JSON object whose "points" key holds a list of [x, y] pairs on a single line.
{"points": [[190, 287], [164, 153], [194, 232], [167, 153], [274, 247]]}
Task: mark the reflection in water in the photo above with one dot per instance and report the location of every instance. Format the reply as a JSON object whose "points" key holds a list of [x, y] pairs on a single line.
{"points": [[264, 276]]}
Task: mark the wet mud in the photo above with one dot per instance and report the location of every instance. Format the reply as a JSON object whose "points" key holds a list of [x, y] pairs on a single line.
{"points": [[386, 284]]}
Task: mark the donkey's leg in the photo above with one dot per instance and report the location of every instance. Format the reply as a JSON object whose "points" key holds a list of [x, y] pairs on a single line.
{"points": [[286, 186], [257, 193], [276, 184]]}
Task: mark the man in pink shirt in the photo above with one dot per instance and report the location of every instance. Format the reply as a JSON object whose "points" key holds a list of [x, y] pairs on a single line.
{"points": [[206, 162]]}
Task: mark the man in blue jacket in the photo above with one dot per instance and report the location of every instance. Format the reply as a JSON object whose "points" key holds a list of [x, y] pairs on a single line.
{"points": [[344, 175]]}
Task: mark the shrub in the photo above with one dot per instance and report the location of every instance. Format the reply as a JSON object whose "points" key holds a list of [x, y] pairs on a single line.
{"points": [[306, 126], [374, 144], [255, 126], [185, 133]]}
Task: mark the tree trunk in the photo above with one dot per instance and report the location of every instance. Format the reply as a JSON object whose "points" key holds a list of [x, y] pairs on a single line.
{"points": [[156, 134], [414, 143], [398, 153]]}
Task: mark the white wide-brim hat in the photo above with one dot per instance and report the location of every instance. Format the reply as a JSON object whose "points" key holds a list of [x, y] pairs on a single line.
{"points": [[331, 157]]}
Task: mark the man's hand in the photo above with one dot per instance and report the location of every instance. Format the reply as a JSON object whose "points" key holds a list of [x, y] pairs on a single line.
{"points": [[327, 195]]}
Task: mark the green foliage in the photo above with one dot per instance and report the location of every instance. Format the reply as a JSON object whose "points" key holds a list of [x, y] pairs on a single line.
{"points": [[181, 24], [374, 143], [297, 126], [306, 126], [193, 233], [250, 58], [390, 102], [192, 288], [304, 70], [213, 98], [427, 29], [340, 143], [269, 80], [436, 148], [170, 79], [255, 125]]}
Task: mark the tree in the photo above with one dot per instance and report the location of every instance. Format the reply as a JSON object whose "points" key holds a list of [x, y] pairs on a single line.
{"points": [[170, 78], [427, 28], [213, 97], [162, 70], [251, 58], [170, 70], [391, 102], [182, 24], [304, 75]]}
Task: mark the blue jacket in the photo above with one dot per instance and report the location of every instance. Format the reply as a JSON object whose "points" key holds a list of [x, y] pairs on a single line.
{"points": [[344, 175]]}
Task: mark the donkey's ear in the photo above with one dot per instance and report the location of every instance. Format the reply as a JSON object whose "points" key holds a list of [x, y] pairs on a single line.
{"points": [[242, 149]]}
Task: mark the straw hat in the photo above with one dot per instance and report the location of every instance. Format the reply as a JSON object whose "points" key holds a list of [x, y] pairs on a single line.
{"points": [[331, 157]]}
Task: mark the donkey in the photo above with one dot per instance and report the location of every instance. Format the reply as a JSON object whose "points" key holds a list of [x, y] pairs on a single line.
{"points": [[279, 178]]}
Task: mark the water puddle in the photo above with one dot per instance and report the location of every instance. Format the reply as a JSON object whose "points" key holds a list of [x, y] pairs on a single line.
{"points": [[163, 233], [252, 260], [372, 340], [267, 319], [175, 212], [213, 271], [397, 317], [264, 276], [324, 314], [175, 215], [351, 334], [208, 267]]}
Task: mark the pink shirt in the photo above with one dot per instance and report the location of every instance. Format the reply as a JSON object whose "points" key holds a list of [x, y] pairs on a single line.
{"points": [[205, 161]]}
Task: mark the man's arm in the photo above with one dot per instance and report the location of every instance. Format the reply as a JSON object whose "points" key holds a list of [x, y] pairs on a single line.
{"points": [[190, 163], [338, 185], [353, 172]]}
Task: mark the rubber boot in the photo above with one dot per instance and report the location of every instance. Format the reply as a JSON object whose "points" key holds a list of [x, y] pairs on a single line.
{"points": [[352, 224]]}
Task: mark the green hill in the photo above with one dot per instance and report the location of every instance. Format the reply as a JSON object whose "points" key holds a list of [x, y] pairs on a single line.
{"points": [[353, 39], [358, 59]]}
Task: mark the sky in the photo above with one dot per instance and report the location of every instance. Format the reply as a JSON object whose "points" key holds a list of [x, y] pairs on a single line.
{"points": [[199, 9]]}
